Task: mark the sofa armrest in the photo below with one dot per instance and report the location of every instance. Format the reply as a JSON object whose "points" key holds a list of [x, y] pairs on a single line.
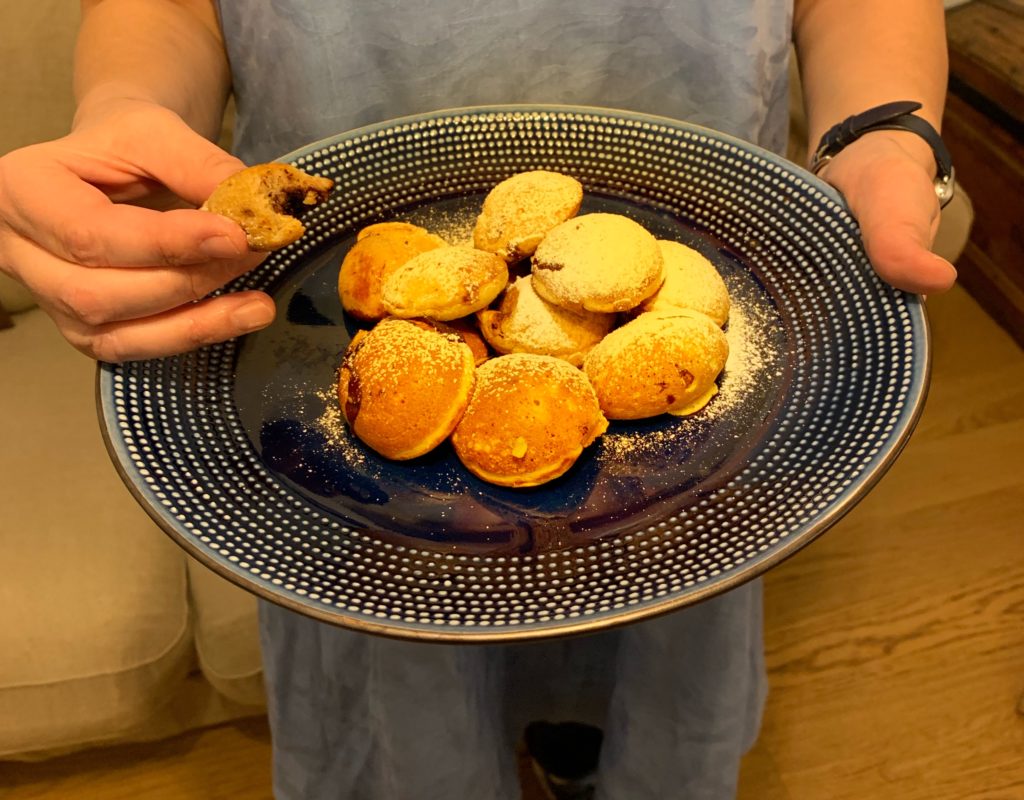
{"points": [[14, 297]]}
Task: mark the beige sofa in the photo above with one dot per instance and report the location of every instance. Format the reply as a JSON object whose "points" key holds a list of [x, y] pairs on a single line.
{"points": [[108, 632]]}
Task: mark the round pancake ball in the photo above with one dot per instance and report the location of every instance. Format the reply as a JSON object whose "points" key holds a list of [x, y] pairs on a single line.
{"points": [[528, 420], [662, 361], [691, 281], [598, 262], [378, 251], [526, 323], [445, 283], [520, 210], [404, 385]]}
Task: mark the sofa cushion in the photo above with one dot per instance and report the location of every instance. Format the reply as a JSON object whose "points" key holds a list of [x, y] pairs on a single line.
{"points": [[94, 624], [13, 296], [226, 635]]}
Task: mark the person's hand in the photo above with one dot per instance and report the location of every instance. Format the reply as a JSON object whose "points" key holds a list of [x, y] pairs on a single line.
{"points": [[123, 281], [887, 178]]}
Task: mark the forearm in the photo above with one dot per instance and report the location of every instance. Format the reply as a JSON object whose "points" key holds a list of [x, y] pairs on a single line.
{"points": [[855, 55], [166, 52]]}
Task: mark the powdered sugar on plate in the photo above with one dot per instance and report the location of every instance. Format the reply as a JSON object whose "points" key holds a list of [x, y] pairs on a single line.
{"points": [[331, 424], [749, 332]]}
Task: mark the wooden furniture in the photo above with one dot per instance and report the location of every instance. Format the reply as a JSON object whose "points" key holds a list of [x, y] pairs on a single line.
{"points": [[984, 128], [5, 318]]}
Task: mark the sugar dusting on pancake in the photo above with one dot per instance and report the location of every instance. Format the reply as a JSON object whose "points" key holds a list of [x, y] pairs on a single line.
{"points": [[404, 385], [598, 262], [445, 283], [519, 212], [526, 323], [528, 420]]}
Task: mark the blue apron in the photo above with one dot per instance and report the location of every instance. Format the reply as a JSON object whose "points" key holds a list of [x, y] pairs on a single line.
{"points": [[356, 717]]}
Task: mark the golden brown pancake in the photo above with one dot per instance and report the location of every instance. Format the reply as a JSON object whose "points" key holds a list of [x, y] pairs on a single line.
{"points": [[691, 281], [520, 210], [444, 284], [404, 385], [528, 420], [598, 262], [526, 323], [265, 200], [662, 361], [378, 251]]}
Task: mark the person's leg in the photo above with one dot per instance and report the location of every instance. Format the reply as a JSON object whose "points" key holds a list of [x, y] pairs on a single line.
{"points": [[560, 680], [359, 717], [556, 702], [690, 688]]}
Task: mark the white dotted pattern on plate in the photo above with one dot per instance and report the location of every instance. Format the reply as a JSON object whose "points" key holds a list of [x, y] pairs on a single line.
{"points": [[850, 390]]}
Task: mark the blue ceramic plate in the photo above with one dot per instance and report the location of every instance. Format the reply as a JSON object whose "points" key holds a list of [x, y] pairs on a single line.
{"points": [[238, 453]]}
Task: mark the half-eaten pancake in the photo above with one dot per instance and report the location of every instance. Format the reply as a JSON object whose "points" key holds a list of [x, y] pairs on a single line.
{"points": [[266, 200]]}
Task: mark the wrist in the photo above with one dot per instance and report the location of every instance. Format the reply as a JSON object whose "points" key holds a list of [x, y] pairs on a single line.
{"points": [[894, 130], [877, 152], [904, 143], [884, 145], [105, 101]]}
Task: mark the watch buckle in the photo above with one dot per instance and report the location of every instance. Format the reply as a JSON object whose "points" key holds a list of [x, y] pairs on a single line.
{"points": [[945, 187], [820, 158]]}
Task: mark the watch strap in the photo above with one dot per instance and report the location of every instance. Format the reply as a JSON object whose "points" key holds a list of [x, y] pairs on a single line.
{"points": [[898, 115]]}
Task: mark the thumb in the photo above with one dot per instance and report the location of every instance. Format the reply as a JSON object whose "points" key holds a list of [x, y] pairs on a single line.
{"points": [[893, 199], [190, 165], [900, 256]]}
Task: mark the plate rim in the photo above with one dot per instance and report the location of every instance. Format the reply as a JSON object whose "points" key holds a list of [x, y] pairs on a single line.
{"points": [[749, 570]]}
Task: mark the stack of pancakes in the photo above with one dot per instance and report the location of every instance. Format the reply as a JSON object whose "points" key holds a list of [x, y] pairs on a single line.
{"points": [[522, 373]]}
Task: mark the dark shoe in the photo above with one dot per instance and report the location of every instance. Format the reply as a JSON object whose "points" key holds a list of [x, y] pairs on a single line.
{"points": [[564, 758]]}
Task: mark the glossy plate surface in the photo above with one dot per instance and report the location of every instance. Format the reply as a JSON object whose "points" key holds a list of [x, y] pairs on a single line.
{"points": [[237, 450]]}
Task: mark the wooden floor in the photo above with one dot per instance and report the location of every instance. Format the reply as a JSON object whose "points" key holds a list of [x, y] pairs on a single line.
{"points": [[895, 643]]}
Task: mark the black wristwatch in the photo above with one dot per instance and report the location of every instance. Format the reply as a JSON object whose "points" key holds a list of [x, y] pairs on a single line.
{"points": [[897, 116]]}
